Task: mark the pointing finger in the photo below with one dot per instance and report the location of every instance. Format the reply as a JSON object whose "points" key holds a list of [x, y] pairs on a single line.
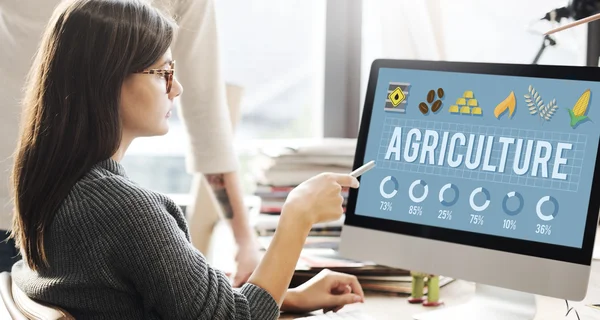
{"points": [[345, 180]]}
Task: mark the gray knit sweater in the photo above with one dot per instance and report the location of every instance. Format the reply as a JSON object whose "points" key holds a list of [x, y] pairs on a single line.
{"points": [[119, 251]]}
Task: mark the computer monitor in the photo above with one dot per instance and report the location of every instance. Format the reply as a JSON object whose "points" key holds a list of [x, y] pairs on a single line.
{"points": [[484, 172]]}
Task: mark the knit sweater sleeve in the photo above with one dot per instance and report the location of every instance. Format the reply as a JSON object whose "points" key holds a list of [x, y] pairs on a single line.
{"points": [[152, 252]]}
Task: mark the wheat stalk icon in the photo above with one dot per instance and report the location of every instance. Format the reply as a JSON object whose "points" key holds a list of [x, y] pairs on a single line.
{"points": [[536, 105]]}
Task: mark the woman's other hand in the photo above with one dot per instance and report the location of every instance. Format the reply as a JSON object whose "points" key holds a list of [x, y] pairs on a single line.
{"points": [[328, 290]]}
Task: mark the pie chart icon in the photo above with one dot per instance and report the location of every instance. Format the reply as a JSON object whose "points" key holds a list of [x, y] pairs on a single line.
{"points": [[513, 198], [551, 215], [411, 191], [451, 200], [383, 192], [485, 204]]}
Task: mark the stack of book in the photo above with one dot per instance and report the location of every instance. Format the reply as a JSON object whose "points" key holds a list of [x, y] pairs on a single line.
{"points": [[289, 164], [277, 169], [372, 278], [321, 253], [265, 225], [273, 197]]}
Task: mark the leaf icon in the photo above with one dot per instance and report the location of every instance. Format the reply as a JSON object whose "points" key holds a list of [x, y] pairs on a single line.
{"points": [[530, 100]]}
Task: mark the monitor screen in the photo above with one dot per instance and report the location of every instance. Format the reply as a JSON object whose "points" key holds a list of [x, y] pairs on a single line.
{"points": [[486, 153]]}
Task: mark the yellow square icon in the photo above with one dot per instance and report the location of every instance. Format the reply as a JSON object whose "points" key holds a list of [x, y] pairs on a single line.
{"points": [[396, 97]]}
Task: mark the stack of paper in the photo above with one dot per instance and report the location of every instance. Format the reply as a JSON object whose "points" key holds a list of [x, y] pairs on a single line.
{"points": [[290, 164], [266, 224]]}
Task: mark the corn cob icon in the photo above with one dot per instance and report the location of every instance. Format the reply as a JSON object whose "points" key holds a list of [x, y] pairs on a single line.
{"points": [[578, 112]]}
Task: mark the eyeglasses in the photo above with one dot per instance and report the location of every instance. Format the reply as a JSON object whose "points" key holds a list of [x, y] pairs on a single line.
{"points": [[167, 73]]}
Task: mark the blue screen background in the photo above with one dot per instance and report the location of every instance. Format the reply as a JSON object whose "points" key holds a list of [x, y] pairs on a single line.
{"points": [[565, 227]]}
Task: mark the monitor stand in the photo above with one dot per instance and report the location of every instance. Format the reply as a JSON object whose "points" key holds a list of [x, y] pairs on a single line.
{"points": [[596, 252], [490, 303]]}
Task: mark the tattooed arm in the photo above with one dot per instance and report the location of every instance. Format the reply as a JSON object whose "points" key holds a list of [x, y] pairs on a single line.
{"points": [[217, 182], [228, 192]]}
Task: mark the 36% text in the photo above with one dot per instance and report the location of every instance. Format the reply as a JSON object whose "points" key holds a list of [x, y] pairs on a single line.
{"points": [[543, 229]]}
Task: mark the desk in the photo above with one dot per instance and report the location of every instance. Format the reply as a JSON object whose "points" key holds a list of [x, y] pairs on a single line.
{"points": [[387, 307]]}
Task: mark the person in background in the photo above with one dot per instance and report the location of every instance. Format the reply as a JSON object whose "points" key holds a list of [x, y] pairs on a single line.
{"points": [[211, 146], [94, 242], [212, 149]]}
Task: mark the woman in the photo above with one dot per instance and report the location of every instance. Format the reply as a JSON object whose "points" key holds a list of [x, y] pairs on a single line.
{"points": [[95, 243]]}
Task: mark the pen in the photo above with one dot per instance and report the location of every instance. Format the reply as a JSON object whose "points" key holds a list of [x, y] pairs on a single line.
{"points": [[575, 23], [362, 169]]}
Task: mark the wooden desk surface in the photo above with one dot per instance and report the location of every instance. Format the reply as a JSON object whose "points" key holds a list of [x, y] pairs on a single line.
{"points": [[387, 307]]}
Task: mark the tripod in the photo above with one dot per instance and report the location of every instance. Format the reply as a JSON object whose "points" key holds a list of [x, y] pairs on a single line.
{"points": [[548, 41], [577, 9]]}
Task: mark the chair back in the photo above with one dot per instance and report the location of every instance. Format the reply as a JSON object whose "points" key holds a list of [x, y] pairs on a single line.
{"points": [[9, 309], [21, 307]]}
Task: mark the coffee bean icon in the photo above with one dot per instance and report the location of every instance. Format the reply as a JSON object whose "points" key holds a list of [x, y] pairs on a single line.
{"points": [[436, 104], [430, 96]]}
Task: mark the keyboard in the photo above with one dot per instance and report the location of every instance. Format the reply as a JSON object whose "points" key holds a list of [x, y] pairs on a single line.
{"points": [[349, 315]]}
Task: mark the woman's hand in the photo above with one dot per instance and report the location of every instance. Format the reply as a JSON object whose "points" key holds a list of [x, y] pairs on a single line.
{"points": [[328, 290], [318, 199]]}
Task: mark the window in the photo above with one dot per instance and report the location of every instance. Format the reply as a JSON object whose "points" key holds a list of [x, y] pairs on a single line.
{"points": [[511, 32], [274, 50], [468, 30]]}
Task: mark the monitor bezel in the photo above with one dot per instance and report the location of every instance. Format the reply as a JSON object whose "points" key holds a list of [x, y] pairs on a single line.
{"points": [[581, 255]]}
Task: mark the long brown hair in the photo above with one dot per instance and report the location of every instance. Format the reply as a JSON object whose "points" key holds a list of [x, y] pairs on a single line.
{"points": [[71, 105]]}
